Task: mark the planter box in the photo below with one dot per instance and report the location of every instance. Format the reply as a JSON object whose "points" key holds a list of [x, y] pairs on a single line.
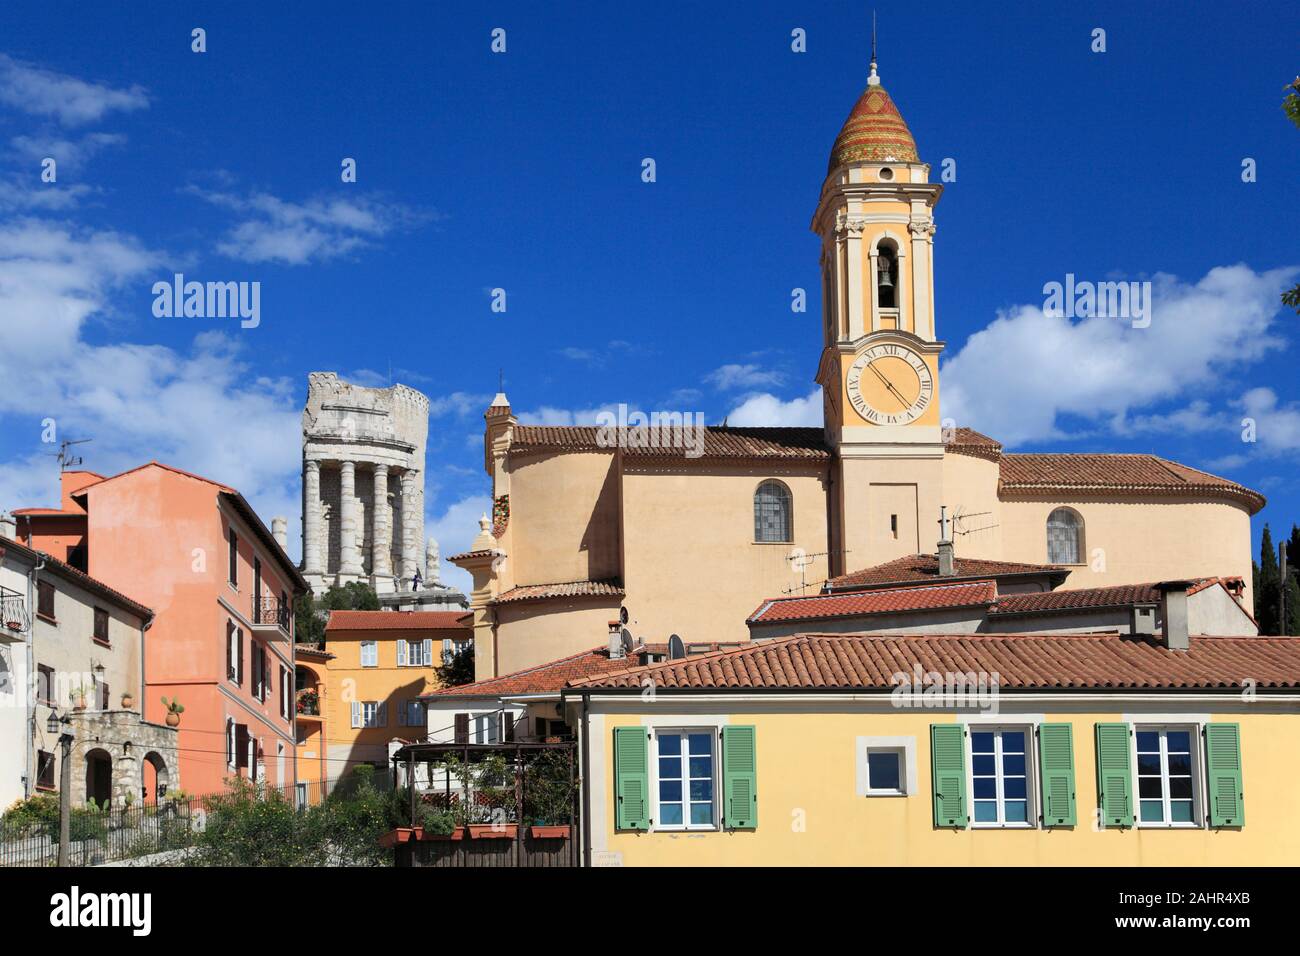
{"points": [[394, 837], [456, 834], [487, 831], [559, 832]]}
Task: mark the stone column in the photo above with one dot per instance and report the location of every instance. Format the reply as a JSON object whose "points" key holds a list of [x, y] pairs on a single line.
{"points": [[349, 559], [412, 525], [311, 518], [381, 560]]}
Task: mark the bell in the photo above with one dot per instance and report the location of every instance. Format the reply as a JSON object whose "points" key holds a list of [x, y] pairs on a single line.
{"points": [[884, 271]]}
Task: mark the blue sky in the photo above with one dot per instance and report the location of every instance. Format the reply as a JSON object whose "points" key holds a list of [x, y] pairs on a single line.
{"points": [[522, 171]]}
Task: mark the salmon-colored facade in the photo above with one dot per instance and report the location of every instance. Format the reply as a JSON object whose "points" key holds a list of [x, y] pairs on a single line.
{"points": [[222, 589]]}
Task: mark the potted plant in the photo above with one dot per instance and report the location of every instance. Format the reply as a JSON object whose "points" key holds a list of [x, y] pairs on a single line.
{"points": [[174, 710], [548, 796], [440, 824], [78, 696], [128, 700]]}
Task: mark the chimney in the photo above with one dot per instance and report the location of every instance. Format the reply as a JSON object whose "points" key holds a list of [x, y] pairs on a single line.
{"points": [[280, 531], [946, 560], [615, 640], [8, 526], [1173, 610]]}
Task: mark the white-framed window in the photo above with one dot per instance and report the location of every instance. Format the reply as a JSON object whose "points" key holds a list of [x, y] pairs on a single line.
{"points": [[415, 653], [486, 728], [450, 648], [1167, 762], [230, 742], [369, 654], [373, 713], [685, 788], [412, 714], [285, 698], [1001, 762], [1064, 537]]}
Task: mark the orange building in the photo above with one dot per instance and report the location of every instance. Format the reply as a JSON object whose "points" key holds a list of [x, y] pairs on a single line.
{"points": [[369, 687], [222, 589]]}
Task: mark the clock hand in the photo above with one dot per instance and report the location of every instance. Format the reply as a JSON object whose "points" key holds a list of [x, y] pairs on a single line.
{"points": [[890, 385]]}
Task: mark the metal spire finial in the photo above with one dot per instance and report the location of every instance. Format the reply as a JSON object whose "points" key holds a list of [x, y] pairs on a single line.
{"points": [[872, 78]]}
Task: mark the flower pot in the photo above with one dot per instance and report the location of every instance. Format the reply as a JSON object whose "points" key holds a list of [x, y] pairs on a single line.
{"points": [[549, 832], [492, 831], [127, 701], [394, 837], [14, 625], [173, 720], [456, 834], [79, 703]]}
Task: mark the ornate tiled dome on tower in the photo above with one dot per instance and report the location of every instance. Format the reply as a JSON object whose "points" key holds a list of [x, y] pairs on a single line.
{"points": [[874, 132]]}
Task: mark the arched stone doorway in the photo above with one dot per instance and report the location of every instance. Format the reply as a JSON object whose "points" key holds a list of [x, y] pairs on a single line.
{"points": [[157, 779], [99, 776]]}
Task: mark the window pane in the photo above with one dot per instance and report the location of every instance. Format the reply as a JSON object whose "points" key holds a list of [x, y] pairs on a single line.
{"points": [[1017, 811], [1152, 811], [985, 788], [981, 742], [1013, 764], [1148, 741], [1180, 811], [983, 764], [670, 791], [1180, 764], [702, 790], [1179, 741], [701, 766], [670, 743], [671, 814], [772, 512], [882, 770], [1063, 537], [702, 813], [1150, 763], [1180, 788], [1014, 788], [670, 767], [700, 744], [1150, 787], [1013, 741], [986, 811]]}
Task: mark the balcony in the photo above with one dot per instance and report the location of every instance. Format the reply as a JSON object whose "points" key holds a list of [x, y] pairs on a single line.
{"points": [[14, 622], [272, 617], [307, 706]]}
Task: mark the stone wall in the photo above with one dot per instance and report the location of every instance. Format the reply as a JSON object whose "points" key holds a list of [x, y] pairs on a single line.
{"points": [[128, 741]]}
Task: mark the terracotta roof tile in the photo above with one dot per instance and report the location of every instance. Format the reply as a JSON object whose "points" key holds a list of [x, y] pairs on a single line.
{"points": [[967, 441], [1139, 473], [886, 601], [719, 442], [568, 589], [925, 567], [860, 662], [1079, 599], [395, 620], [544, 678]]}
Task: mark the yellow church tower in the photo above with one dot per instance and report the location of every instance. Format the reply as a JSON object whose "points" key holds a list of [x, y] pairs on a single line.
{"points": [[879, 370]]}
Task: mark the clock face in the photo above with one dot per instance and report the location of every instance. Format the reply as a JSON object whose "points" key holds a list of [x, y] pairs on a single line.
{"points": [[890, 385]]}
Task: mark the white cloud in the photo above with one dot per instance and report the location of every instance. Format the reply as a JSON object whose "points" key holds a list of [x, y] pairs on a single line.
{"points": [[25, 193], [1018, 377], [730, 377], [67, 153], [460, 404], [1277, 426], [71, 101], [200, 409], [548, 415], [455, 530], [274, 230], [770, 411]]}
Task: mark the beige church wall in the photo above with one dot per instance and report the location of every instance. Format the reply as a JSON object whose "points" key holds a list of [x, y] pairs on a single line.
{"points": [[564, 518], [692, 566], [970, 487], [536, 632], [874, 489], [1142, 539]]}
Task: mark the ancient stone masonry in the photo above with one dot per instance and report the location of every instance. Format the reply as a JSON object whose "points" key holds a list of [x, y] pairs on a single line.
{"points": [[363, 453]]}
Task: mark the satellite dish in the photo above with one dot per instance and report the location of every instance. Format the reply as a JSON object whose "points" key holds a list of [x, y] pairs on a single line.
{"points": [[676, 649], [628, 641], [623, 616]]}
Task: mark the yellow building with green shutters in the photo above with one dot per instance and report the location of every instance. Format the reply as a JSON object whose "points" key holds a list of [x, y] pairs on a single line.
{"points": [[1088, 749]]}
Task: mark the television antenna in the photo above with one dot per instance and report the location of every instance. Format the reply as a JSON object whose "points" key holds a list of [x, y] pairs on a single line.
{"points": [[65, 458], [804, 558], [959, 519]]}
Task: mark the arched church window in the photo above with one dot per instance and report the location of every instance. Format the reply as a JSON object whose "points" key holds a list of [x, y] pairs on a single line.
{"points": [[1064, 537], [887, 276], [772, 512]]}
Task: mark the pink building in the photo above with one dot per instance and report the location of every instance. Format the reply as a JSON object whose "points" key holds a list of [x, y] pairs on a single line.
{"points": [[222, 589]]}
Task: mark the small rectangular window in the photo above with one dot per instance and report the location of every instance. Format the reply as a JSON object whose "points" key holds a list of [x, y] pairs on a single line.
{"points": [[234, 559], [44, 770], [893, 525], [45, 684], [45, 599], [885, 772], [101, 626], [104, 696], [369, 654]]}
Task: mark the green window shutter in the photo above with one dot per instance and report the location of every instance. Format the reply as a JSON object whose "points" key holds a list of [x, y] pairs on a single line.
{"points": [[948, 764], [1223, 763], [1114, 775], [739, 778], [1056, 767], [631, 778]]}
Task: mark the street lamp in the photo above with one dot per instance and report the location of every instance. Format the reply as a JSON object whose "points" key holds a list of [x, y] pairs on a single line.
{"points": [[63, 727]]}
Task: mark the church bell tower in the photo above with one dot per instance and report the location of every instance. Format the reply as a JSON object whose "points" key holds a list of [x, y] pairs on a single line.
{"points": [[879, 369]]}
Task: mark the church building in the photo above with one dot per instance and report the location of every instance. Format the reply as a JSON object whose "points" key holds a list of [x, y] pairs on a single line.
{"points": [[690, 544]]}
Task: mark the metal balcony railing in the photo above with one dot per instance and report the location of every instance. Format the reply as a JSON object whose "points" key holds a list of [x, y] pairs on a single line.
{"points": [[271, 610], [13, 612]]}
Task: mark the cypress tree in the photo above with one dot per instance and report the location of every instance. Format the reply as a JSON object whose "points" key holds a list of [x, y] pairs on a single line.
{"points": [[1267, 586]]}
